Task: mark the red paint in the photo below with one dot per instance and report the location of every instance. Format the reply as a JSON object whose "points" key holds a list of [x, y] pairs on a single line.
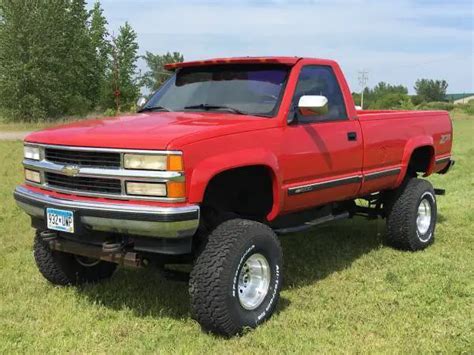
{"points": [[295, 155], [238, 60]]}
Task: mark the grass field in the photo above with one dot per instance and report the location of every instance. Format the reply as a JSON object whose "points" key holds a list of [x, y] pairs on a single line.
{"points": [[345, 291]]}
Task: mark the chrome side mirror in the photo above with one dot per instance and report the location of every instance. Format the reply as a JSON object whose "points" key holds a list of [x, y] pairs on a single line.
{"points": [[141, 102], [311, 105]]}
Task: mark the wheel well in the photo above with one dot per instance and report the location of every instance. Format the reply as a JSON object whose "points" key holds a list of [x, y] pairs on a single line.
{"points": [[420, 160], [245, 191]]}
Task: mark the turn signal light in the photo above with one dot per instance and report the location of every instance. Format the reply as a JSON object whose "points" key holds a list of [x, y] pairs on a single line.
{"points": [[176, 189], [175, 163]]}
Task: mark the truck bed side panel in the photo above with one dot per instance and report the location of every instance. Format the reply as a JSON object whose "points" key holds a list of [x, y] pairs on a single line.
{"points": [[390, 137]]}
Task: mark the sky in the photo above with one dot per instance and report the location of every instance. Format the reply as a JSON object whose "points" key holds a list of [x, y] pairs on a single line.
{"points": [[395, 41]]}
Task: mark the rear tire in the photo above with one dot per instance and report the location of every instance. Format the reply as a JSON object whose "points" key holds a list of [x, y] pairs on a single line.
{"points": [[67, 269], [236, 280], [412, 214]]}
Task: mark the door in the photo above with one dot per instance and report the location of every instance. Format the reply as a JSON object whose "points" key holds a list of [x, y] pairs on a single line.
{"points": [[322, 158]]}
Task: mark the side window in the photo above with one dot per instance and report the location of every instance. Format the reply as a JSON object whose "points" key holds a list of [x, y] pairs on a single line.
{"points": [[319, 80]]}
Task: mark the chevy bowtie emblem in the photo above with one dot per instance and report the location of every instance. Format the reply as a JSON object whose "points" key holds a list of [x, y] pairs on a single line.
{"points": [[70, 170]]}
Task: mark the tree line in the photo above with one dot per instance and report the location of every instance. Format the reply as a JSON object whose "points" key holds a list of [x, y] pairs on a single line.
{"points": [[57, 58], [430, 94]]}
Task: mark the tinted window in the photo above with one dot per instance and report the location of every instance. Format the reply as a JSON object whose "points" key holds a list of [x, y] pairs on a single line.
{"points": [[250, 88], [319, 80]]}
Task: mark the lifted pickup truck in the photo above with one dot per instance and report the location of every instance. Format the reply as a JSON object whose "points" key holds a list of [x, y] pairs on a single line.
{"points": [[225, 156]]}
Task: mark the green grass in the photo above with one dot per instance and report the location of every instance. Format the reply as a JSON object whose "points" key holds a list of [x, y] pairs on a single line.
{"points": [[8, 126], [345, 291]]}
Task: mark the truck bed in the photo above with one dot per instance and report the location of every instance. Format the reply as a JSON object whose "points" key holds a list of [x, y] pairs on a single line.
{"points": [[391, 135]]}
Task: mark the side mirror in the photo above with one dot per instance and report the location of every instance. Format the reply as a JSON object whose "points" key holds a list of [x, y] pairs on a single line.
{"points": [[310, 105], [141, 102]]}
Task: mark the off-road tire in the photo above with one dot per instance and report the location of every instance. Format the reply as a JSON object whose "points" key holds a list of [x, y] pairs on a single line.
{"points": [[213, 284], [402, 213], [64, 269]]}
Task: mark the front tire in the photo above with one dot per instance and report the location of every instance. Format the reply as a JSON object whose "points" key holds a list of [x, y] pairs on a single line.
{"points": [[64, 269], [412, 214], [236, 280]]}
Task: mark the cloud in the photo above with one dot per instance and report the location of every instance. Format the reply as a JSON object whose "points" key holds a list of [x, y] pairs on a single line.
{"points": [[397, 41]]}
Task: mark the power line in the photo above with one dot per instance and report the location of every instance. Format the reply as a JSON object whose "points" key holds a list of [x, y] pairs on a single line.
{"points": [[363, 79]]}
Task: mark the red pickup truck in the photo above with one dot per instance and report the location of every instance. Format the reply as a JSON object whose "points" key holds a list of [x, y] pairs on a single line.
{"points": [[224, 157]]}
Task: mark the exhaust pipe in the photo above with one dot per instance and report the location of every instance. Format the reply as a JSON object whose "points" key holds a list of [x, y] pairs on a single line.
{"points": [[112, 255]]}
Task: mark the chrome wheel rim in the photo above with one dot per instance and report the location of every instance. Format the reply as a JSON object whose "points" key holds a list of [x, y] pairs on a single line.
{"points": [[253, 281], [87, 262], [423, 219]]}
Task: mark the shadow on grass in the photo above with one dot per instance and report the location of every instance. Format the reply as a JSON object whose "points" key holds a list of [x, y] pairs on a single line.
{"points": [[146, 293], [316, 254], [309, 257], [440, 218]]}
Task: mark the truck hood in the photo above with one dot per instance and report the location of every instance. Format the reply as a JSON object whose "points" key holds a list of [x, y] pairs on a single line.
{"points": [[155, 130]]}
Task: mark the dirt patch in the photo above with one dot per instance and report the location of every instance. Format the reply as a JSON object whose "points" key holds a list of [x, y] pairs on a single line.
{"points": [[12, 136]]}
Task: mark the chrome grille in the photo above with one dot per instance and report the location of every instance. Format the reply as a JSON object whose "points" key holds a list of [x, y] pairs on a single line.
{"points": [[83, 158], [84, 184], [96, 172]]}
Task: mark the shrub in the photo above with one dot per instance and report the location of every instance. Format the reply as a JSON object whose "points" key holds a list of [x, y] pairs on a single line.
{"points": [[436, 105], [406, 104], [391, 101], [416, 100], [110, 112], [467, 108]]}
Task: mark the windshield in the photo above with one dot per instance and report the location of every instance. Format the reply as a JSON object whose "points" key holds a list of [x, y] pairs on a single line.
{"points": [[249, 89]]}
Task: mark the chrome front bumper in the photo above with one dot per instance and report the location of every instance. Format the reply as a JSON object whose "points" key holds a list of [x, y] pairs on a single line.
{"points": [[123, 218]]}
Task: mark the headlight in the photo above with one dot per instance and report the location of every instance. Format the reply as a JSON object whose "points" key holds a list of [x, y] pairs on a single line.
{"points": [[33, 176], [153, 162], [31, 152], [146, 189]]}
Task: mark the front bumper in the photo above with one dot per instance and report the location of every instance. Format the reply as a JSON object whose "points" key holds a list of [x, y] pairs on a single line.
{"points": [[122, 218]]}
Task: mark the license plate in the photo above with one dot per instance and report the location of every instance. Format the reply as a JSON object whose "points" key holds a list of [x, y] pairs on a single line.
{"points": [[60, 220]]}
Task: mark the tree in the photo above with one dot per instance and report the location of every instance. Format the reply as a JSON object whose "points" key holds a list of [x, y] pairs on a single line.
{"points": [[81, 59], [376, 97], [124, 89], [383, 88], [391, 101], [156, 74], [431, 90], [102, 49], [55, 59], [33, 53]]}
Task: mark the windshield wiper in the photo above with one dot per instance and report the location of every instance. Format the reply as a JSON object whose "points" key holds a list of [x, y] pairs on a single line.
{"points": [[154, 108], [208, 107]]}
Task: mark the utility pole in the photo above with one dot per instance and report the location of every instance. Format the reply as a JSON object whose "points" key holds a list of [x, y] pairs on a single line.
{"points": [[363, 79]]}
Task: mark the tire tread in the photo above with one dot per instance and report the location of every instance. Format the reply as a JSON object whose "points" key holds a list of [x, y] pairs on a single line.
{"points": [[400, 214], [208, 298]]}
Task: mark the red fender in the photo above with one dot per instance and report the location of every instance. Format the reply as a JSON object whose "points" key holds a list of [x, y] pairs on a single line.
{"points": [[412, 144], [206, 169]]}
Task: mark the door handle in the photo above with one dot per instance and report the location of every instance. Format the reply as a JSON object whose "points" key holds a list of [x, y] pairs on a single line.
{"points": [[351, 136]]}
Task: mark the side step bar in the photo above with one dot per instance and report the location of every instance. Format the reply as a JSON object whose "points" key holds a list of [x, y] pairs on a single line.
{"points": [[311, 224]]}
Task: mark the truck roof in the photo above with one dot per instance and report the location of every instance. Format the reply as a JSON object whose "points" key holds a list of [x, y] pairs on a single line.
{"points": [[235, 60]]}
